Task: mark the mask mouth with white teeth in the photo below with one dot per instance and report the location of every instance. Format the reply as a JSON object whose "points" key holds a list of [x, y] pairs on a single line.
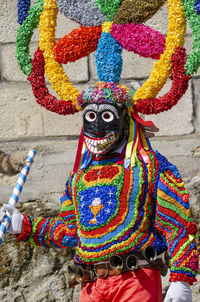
{"points": [[105, 127], [100, 145]]}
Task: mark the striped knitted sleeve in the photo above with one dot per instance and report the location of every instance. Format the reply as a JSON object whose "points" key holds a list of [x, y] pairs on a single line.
{"points": [[59, 232], [173, 220]]}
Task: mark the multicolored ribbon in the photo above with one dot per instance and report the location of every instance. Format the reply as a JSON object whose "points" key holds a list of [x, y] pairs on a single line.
{"points": [[16, 192]]}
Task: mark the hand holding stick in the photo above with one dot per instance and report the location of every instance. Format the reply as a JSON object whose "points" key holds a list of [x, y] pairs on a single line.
{"points": [[16, 192]]}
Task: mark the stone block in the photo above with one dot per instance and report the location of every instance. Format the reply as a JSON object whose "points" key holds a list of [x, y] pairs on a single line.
{"points": [[64, 26], [10, 68], [21, 116], [38, 272], [9, 23], [134, 66], [196, 85], [55, 125], [160, 21], [62, 125], [194, 187], [180, 151], [178, 120], [52, 164], [176, 147], [19, 111], [77, 71]]}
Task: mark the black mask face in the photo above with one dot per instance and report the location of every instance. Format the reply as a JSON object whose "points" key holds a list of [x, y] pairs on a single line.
{"points": [[105, 127]]}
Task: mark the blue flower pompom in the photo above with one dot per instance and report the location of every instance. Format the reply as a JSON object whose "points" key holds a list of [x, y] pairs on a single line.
{"points": [[23, 8]]}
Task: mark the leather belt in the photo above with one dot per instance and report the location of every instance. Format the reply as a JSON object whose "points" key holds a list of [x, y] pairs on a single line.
{"points": [[103, 270], [118, 264]]}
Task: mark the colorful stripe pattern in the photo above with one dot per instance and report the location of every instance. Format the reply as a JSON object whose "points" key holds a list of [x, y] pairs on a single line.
{"points": [[57, 232], [109, 209], [173, 220]]}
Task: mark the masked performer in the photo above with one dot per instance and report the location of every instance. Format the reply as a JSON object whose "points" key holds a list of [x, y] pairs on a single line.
{"points": [[124, 205], [121, 199]]}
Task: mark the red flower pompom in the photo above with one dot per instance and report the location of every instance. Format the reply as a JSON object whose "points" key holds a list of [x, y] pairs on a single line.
{"points": [[191, 228], [178, 88], [78, 44], [40, 91]]}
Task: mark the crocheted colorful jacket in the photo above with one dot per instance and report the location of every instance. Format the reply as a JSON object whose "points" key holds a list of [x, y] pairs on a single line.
{"points": [[108, 209]]}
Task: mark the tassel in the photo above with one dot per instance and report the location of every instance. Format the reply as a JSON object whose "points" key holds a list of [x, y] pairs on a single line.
{"points": [[131, 139]]}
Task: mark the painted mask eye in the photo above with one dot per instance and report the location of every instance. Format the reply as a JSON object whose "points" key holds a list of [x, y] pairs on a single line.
{"points": [[90, 116], [107, 116]]}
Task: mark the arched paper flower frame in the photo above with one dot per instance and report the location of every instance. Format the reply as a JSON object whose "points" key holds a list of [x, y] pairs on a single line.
{"points": [[76, 45]]}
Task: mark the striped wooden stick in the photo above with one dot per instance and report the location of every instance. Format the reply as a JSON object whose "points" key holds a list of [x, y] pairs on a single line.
{"points": [[16, 192]]}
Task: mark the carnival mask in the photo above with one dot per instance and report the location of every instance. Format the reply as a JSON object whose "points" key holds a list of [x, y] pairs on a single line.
{"points": [[105, 127]]}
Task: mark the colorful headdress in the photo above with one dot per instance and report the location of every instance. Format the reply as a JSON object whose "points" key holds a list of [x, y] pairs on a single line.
{"points": [[107, 27], [109, 93]]}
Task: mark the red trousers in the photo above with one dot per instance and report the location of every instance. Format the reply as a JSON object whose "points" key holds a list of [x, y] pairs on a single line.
{"points": [[143, 285]]}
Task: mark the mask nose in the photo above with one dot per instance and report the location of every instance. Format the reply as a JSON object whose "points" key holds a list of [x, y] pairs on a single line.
{"points": [[98, 128], [100, 134]]}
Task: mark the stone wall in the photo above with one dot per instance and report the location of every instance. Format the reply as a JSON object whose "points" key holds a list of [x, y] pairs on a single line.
{"points": [[36, 274]]}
